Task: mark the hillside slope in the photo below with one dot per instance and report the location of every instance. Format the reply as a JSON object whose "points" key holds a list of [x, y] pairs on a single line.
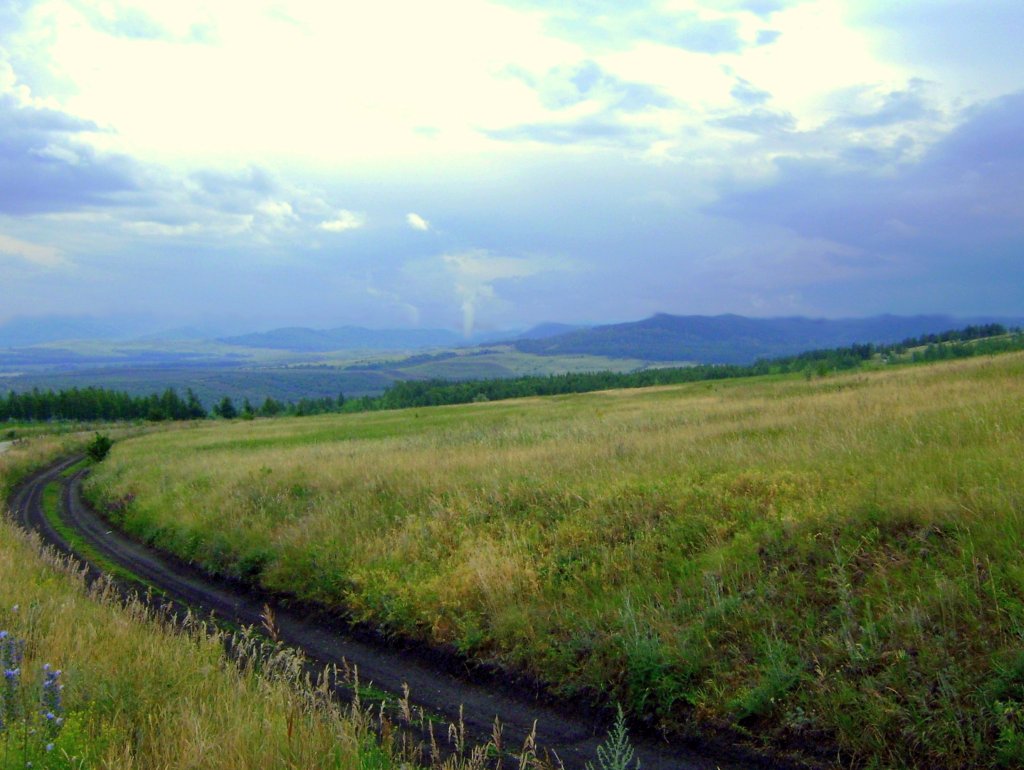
{"points": [[795, 557]]}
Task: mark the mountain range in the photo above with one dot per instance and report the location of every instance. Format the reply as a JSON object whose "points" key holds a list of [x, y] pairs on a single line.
{"points": [[733, 339], [730, 339]]}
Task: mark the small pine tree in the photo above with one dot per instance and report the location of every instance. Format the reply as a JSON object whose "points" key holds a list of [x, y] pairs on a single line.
{"points": [[99, 447], [226, 409]]}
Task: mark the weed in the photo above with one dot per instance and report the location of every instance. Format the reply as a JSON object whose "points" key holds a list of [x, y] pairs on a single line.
{"points": [[616, 753]]}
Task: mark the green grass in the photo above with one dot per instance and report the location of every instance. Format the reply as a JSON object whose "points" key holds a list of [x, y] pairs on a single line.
{"points": [[832, 562]]}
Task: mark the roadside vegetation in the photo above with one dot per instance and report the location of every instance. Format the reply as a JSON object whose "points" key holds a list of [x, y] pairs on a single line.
{"points": [[832, 563], [90, 681]]}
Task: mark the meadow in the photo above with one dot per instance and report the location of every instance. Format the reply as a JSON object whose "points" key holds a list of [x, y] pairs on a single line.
{"points": [[826, 563], [92, 681]]}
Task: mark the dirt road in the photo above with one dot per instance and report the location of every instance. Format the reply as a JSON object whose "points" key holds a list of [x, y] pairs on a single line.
{"points": [[437, 683]]}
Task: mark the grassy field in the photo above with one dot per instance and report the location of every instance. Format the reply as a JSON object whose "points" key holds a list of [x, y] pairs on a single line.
{"points": [[143, 691], [831, 563]]}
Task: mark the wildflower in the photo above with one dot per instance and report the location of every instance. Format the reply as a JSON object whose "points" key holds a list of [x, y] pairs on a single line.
{"points": [[50, 700]]}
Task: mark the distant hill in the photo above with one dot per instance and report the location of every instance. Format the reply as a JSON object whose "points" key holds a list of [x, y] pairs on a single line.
{"points": [[733, 339], [545, 330], [301, 339]]}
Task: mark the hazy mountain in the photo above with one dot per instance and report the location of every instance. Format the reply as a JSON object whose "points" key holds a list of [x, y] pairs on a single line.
{"points": [[23, 332], [733, 339], [301, 339]]}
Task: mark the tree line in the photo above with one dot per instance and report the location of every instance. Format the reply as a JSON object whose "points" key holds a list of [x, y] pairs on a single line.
{"points": [[100, 404], [94, 404]]}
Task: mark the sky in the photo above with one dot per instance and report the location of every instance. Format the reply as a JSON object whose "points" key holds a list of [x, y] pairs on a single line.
{"points": [[492, 165]]}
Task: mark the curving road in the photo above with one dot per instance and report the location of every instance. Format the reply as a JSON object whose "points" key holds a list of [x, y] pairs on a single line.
{"points": [[435, 684]]}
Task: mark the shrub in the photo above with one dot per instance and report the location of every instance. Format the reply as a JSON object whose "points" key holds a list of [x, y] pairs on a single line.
{"points": [[99, 447]]}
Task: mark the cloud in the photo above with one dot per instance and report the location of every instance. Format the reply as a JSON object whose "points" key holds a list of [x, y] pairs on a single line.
{"points": [[416, 222], [162, 229], [759, 121], [45, 168], [617, 25], [133, 23], [251, 180], [224, 225], [475, 273], [747, 94], [969, 44], [867, 107], [590, 106], [587, 82], [34, 254], [345, 220], [954, 213], [591, 130], [279, 211], [759, 7], [703, 35]]}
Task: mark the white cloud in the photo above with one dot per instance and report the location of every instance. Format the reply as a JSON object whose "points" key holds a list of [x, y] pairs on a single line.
{"points": [[57, 152], [345, 220], [280, 210], [33, 253], [437, 69], [147, 227], [416, 222], [476, 271]]}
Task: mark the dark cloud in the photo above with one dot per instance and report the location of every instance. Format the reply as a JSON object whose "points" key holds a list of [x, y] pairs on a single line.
{"points": [[233, 191], [910, 104], [44, 168], [958, 209]]}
